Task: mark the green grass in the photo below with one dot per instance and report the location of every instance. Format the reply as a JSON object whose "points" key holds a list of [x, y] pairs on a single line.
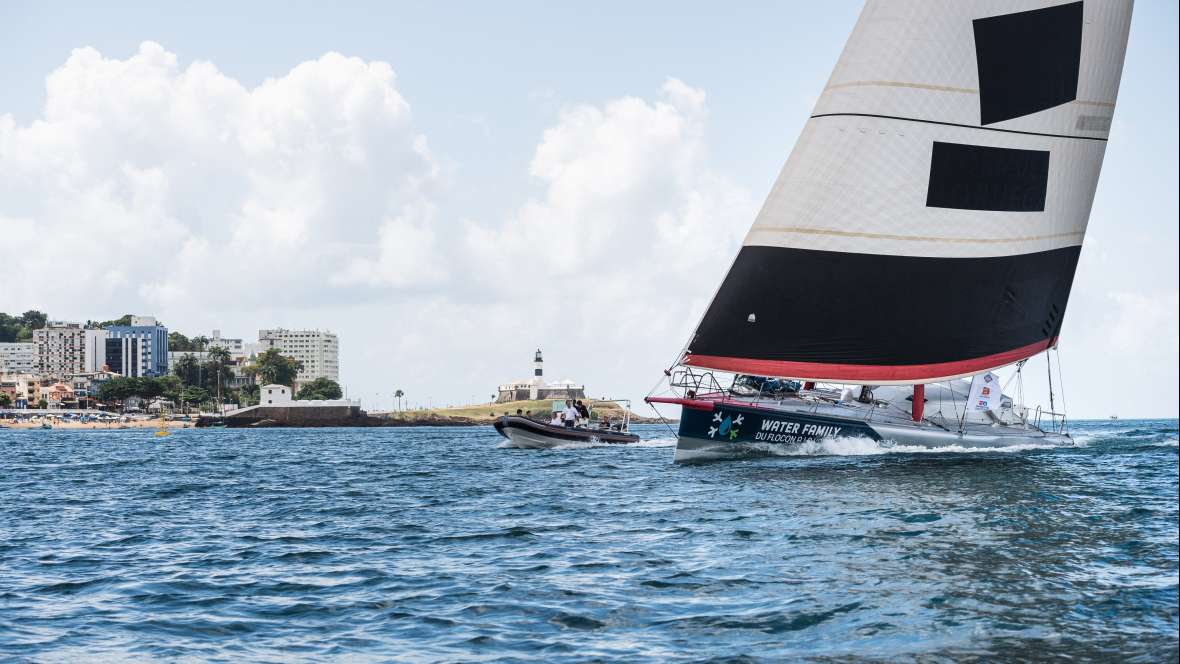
{"points": [[486, 413]]}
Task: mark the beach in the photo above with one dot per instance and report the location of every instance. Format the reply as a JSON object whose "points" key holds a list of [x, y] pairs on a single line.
{"points": [[71, 424]]}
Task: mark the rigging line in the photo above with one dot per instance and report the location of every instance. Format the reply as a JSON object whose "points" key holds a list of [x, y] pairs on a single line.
{"points": [[1020, 390], [657, 385], [955, 124], [955, 405], [662, 420], [1049, 371], [1061, 386]]}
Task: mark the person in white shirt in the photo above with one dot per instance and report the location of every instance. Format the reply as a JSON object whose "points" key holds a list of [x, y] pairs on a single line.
{"points": [[556, 421], [570, 415]]}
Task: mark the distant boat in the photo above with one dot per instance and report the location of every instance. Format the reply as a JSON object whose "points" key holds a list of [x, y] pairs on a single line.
{"points": [[525, 432], [925, 229], [1114, 417]]}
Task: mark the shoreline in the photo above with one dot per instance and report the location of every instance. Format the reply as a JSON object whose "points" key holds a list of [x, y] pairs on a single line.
{"points": [[134, 424]]}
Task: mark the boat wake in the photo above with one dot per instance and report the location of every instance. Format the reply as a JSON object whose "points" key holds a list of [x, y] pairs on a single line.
{"points": [[859, 446], [578, 445]]}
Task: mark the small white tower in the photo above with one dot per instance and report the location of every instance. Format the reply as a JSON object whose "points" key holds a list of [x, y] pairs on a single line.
{"points": [[537, 376]]}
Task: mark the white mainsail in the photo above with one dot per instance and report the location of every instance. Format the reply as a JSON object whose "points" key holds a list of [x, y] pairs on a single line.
{"points": [[928, 222]]}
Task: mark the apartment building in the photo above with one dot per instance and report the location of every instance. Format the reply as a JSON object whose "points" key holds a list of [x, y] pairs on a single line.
{"points": [[318, 350], [17, 358], [60, 349]]}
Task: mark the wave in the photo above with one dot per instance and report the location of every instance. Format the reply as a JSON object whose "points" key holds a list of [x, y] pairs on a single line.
{"points": [[650, 442], [580, 445], [860, 446]]}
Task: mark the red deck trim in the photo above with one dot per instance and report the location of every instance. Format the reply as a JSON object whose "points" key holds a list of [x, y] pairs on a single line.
{"points": [[865, 373], [695, 404]]}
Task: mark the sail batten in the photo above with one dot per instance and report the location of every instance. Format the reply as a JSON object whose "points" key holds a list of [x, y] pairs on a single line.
{"points": [[928, 222]]}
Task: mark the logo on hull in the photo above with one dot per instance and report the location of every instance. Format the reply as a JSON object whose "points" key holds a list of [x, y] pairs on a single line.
{"points": [[726, 426]]}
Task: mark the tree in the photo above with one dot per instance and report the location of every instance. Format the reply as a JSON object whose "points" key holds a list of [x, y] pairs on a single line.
{"points": [[199, 343], [217, 369], [249, 395], [177, 342], [320, 388], [42, 404], [193, 394], [398, 395], [275, 368], [33, 320], [5, 400], [117, 389], [121, 388], [168, 387], [20, 328], [124, 320], [188, 370]]}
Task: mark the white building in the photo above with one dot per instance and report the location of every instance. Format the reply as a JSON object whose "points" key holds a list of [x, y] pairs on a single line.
{"points": [[236, 347], [94, 352], [60, 349], [17, 358], [280, 395], [536, 388], [317, 350], [274, 395]]}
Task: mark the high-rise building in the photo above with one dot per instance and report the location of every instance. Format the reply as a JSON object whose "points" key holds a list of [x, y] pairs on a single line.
{"points": [[319, 351], [94, 352], [138, 349], [60, 349], [17, 358]]}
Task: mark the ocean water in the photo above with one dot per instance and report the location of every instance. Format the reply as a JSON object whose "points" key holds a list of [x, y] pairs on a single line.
{"points": [[433, 544]]}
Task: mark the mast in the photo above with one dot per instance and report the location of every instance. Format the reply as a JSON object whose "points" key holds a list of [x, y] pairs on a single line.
{"points": [[928, 223]]}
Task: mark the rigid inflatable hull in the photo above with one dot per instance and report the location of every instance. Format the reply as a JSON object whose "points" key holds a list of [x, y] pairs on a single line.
{"points": [[530, 434]]}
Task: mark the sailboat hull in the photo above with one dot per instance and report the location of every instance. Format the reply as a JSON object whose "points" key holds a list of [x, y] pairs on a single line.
{"points": [[729, 430]]}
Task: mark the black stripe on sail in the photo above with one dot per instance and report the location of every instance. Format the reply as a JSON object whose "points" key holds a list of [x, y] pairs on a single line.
{"points": [[975, 177], [1028, 61], [869, 309]]}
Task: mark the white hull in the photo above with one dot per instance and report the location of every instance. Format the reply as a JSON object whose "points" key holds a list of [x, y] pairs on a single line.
{"points": [[690, 449], [530, 440], [729, 429]]}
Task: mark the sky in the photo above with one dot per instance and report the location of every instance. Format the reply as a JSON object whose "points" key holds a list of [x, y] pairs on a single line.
{"points": [[449, 186]]}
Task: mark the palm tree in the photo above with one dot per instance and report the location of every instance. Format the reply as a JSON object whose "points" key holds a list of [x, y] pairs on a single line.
{"points": [[398, 395], [220, 358]]}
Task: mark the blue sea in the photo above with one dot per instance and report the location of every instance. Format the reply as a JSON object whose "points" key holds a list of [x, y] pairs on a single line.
{"points": [[438, 544]]}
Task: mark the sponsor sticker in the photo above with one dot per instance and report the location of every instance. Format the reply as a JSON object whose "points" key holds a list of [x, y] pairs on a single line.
{"points": [[729, 426]]}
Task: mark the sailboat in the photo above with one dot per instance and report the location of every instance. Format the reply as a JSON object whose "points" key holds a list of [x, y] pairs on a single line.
{"points": [[922, 235]]}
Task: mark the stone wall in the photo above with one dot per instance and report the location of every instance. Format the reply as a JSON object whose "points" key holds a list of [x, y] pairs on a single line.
{"points": [[297, 416]]}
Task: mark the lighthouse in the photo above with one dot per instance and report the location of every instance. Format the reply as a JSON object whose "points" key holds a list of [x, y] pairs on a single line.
{"points": [[537, 375], [534, 388]]}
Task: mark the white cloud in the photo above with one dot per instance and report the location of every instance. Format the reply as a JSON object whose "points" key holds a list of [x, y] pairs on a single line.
{"points": [[312, 200], [627, 191], [1146, 323], [180, 183]]}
